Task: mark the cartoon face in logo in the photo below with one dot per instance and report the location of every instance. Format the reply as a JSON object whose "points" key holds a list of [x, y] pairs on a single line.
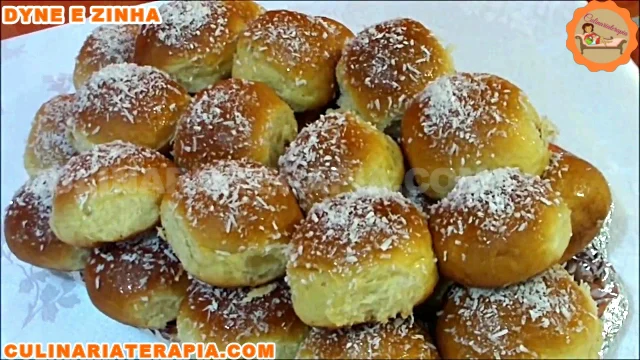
{"points": [[601, 36], [590, 38]]}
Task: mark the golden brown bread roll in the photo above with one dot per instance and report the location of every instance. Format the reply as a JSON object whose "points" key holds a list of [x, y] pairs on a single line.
{"points": [[293, 53], [110, 193], [136, 104], [107, 44], [499, 227], [465, 123], [27, 230], [548, 317], [196, 40], [234, 119], [385, 66], [138, 282], [363, 256], [396, 339], [223, 316], [48, 144], [230, 223], [585, 191], [340, 153]]}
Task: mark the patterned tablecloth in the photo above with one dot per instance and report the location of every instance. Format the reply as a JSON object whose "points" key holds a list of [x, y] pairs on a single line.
{"points": [[41, 306]]}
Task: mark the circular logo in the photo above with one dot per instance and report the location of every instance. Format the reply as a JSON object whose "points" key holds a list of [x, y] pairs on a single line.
{"points": [[601, 36]]}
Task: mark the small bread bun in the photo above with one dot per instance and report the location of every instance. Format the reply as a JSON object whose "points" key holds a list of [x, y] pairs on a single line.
{"points": [[293, 53], [361, 257], [48, 144], [385, 66], [230, 222], [396, 339], [26, 227], [499, 227], [107, 44], [196, 40], [241, 315], [136, 104], [234, 119], [465, 123], [138, 282], [110, 193], [548, 317], [585, 191], [339, 153]]}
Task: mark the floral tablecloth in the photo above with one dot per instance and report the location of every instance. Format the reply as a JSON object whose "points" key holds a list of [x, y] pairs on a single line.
{"points": [[596, 112]]}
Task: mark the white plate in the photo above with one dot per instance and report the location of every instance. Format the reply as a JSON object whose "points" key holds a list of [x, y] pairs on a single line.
{"points": [[597, 114]]}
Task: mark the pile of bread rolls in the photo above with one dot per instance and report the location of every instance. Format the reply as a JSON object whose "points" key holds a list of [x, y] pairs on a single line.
{"points": [[182, 181]]}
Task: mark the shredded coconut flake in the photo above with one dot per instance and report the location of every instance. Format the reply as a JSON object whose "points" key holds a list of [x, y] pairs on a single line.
{"points": [[234, 314], [219, 123], [111, 44], [130, 266], [461, 112], [50, 144], [547, 301], [292, 38], [499, 202], [355, 227], [123, 91], [394, 60], [320, 159], [231, 189], [184, 20], [370, 341], [36, 197], [105, 161], [557, 166]]}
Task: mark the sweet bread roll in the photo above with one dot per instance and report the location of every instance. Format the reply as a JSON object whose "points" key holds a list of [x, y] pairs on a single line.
{"points": [[396, 339], [465, 123], [230, 223], [110, 193], [234, 119], [360, 257], [585, 191], [48, 144], [548, 317], [293, 53], [138, 282], [27, 231], [499, 227], [340, 153], [385, 66], [136, 104], [196, 40], [241, 315], [107, 44]]}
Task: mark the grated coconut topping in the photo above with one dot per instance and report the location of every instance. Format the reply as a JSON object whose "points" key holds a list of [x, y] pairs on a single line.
{"points": [[492, 318], [499, 202], [237, 191], [354, 228], [111, 44], [220, 121], [36, 197], [51, 143], [232, 314], [130, 266]]}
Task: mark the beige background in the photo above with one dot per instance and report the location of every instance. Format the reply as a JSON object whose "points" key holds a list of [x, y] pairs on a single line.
{"points": [[607, 17]]}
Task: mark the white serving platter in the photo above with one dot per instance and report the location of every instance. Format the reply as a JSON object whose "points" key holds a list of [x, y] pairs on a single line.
{"points": [[597, 114]]}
